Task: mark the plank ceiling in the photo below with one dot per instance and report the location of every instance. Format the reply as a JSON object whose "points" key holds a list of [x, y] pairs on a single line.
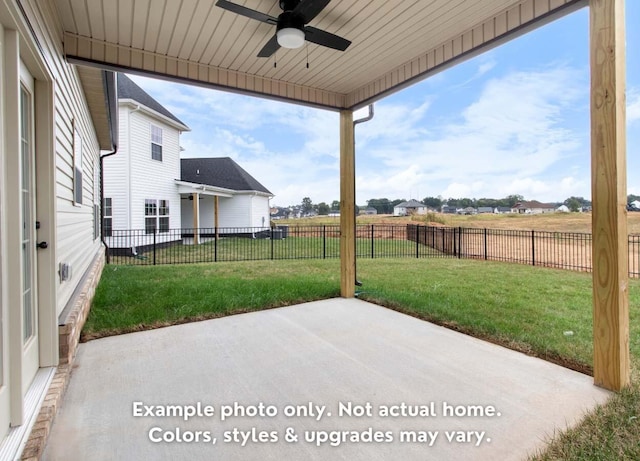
{"points": [[394, 43]]}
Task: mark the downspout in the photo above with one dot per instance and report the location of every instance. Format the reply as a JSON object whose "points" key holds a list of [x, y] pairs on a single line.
{"points": [[111, 101], [104, 242], [356, 122]]}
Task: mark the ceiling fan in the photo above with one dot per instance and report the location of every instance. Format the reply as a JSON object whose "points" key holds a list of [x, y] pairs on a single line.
{"points": [[291, 25]]}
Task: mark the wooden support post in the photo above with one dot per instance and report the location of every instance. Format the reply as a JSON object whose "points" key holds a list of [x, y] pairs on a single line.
{"points": [[608, 191], [196, 219], [216, 222], [347, 206]]}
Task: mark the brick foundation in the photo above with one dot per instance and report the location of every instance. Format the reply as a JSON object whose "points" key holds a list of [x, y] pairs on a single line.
{"points": [[69, 337]]}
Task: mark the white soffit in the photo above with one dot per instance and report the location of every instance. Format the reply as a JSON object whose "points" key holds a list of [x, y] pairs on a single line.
{"points": [[394, 43]]}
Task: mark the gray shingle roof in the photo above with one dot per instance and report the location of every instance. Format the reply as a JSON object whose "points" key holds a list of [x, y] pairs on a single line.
{"points": [[127, 89], [219, 172], [411, 204]]}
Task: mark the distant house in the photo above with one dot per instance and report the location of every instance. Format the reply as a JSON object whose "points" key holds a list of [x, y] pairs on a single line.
{"points": [[228, 196], [563, 209], [635, 204], [409, 208], [485, 209], [370, 211], [468, 211], [534, 207], [448, 209], [504, 210], [280, 213]]}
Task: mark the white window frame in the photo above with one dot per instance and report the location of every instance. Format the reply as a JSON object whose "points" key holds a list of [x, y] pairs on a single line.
{"points": [[108, 215], [156, 140]]}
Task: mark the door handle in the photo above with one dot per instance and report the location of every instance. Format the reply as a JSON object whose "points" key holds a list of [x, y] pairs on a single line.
{"points": [[43, 245]]}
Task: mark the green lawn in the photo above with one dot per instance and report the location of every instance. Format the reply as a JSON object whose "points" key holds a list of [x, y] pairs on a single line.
{"points": [[526, 308], [132, 298], [247, 249]]}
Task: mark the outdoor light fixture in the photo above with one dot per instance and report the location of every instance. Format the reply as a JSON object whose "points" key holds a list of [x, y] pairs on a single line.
{"points": [[290, 37]]}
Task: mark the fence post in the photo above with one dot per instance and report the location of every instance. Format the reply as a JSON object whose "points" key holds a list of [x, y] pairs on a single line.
{"points": [[454, 242], [459, 242], [324, 242], [372, 248], [417, 241], [154, 247], [533, 248], [271, 243], [485, 243], [215, 247]]}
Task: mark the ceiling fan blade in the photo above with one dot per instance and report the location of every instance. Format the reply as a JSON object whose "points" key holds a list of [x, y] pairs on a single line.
{"points": [[269, 48], [248, 12], [327, 39], [309, 9]]}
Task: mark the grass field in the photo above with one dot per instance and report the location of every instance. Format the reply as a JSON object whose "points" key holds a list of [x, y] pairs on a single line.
{"points": [[552, 222]]}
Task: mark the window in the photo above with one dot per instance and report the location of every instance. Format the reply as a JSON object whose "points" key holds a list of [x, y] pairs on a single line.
{"points": [[163, 219], [77, 166], [156, 216], [150, 216], [107, 222], [156, 143]]}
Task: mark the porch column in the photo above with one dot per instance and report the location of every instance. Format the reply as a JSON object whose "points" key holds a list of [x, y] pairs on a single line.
{"points": [[196, 219], [347, 205], [609, 195]]}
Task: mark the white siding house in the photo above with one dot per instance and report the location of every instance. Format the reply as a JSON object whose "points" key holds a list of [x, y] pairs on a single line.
{"points": [[409, 208], [55, 118], [150, 193], [534, 207], [139, 182]]}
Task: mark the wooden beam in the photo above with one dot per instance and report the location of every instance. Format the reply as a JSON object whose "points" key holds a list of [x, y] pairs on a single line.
{"points": [[196, 218], [609, 190], [347, 206]]}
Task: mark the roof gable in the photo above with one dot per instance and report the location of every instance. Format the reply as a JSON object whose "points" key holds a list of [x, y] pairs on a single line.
{"points": [[127, 89], [219, 172]]}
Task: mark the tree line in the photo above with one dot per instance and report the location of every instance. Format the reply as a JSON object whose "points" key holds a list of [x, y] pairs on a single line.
{"points": [[385, 205]]}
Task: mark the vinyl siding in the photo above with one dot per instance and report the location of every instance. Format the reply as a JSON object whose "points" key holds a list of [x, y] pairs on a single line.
{"points": [[75, 243], [117, 175], [153, 179], [260, 211], [235, 211]]}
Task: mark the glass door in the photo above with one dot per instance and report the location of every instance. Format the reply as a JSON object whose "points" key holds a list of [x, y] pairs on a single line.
{"points": [[27, 197]]}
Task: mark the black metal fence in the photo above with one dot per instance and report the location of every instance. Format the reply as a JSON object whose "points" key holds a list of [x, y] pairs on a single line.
{"points": [[563, 250]]}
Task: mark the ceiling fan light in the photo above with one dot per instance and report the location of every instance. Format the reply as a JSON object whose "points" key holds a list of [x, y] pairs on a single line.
{"points": [[290, 37]]}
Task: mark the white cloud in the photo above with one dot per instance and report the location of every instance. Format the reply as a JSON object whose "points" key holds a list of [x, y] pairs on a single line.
{"points": [[511, 139], [512, 132], [485, 67]]}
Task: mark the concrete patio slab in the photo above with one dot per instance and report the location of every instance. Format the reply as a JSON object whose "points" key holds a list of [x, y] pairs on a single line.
{"points": [[350, 380]]}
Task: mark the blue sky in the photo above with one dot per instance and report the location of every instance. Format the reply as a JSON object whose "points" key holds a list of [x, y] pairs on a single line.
{"points": [[514, 120]]}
